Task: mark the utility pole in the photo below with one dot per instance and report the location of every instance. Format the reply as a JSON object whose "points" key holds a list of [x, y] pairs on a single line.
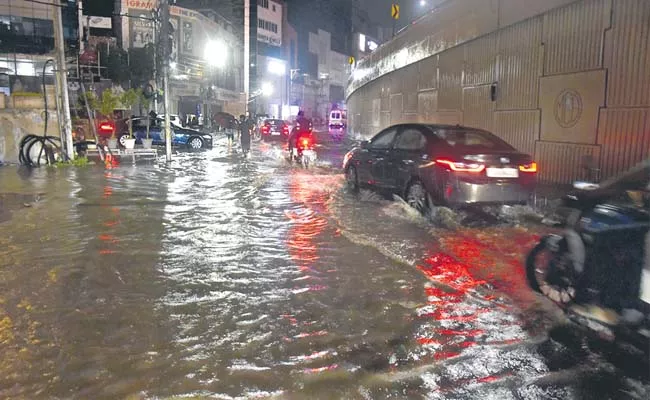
{"points": [[155, 60], [62, 71], [247, 52], [165, 44], [80, 16]]}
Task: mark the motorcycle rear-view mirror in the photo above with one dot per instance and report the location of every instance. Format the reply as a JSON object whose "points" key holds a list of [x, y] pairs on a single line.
{"points": [[364, 144]]}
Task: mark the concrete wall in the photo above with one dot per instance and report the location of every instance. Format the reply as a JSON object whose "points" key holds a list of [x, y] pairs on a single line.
{"points": [[23, 115], [569, 78], [15, 124]]}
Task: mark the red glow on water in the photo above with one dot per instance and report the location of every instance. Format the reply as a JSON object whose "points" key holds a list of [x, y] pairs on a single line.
{"points": [[448, 271], [471, 332], [443, 355], [428, 341], [487, 379], [321, 369]]}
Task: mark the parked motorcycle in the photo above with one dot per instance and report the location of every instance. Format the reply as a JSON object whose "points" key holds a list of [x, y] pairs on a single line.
{"points": [[601, 261]]}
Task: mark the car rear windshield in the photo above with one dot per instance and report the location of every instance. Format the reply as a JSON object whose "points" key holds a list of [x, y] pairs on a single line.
{"points": [[471, 139], [274, 122]]}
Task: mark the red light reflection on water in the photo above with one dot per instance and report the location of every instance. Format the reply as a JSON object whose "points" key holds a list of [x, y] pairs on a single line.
{"points": [[307, 225], [470, 275], [495, 255]]}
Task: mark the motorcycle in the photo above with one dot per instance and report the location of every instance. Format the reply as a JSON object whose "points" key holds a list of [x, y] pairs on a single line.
{"points": [[303, 152], [598, 269]]}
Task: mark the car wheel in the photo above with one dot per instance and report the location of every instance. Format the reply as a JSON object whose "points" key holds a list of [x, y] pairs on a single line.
{"points": [[352, 178], [195, 143], [122, 139], [418, 197]]}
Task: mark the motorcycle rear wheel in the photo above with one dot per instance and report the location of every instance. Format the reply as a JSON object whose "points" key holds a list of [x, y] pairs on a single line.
{"points": [[549, 270]]}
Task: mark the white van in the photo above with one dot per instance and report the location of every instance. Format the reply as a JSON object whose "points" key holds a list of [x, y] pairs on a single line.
{"points": [[338, 119]]}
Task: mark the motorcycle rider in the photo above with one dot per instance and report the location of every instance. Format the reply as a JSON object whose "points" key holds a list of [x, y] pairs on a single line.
{"points": [[303, 128]]}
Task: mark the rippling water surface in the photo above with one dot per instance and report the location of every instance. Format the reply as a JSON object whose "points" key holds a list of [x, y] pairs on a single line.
{"points": [[223, 277]]}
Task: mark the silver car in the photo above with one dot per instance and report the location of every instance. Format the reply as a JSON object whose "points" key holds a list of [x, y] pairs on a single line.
{"points": [[442, 165]]}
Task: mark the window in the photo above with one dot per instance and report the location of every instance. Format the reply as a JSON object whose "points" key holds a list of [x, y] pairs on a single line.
{"points": [[411, 140], [263, 3], [273, 7], [473, 139], [384, 139]]}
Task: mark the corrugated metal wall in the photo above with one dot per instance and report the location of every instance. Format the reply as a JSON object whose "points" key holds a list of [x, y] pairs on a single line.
{"points": [[576, 73]]}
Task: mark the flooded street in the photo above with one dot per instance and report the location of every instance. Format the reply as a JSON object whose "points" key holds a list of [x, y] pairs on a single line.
{"points": [[223, 277]]}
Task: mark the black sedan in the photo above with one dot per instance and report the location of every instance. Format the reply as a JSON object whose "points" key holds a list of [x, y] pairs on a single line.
{"points": [[442, 165]]}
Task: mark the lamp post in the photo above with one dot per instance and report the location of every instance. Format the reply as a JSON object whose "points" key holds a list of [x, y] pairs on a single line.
{"points": [[291, 78], [215, 55], [278, 68]]}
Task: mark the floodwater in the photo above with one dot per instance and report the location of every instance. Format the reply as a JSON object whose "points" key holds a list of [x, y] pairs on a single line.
{"points": [[223, 277]]}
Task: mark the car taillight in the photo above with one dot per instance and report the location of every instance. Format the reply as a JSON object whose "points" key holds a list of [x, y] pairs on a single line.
{"points": [[285, 130], [531, 167], [305, 142], [265, 129], [460, 166], [106, 127]]}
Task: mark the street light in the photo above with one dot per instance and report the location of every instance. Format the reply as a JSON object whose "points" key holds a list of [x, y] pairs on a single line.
{"points": [[423, 3], [267, 89], [216, 53], [277, 67]]}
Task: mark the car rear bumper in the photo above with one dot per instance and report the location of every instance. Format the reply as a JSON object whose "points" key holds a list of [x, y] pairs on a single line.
{"points": [[488, 193]]}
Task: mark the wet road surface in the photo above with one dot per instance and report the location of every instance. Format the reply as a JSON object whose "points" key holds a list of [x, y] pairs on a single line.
{"points": [[223, 277]]}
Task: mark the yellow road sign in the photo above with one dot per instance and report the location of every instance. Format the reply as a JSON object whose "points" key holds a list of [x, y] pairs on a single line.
{"points": [[394, 11], [351, 60]]}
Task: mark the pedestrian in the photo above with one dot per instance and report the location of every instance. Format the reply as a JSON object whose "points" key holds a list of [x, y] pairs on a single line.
{"points": [[245, 134], [231, 126]]}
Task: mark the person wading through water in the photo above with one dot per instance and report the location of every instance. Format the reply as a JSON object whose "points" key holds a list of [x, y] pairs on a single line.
{"points": [[245, 134]]}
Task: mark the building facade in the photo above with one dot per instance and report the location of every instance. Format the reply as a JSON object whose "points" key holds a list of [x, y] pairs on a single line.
{"points": [[560, 79], [196, 87], [27, 41], [331, 74]]}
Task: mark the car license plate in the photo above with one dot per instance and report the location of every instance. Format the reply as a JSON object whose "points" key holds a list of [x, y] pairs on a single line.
{"points": [[275, 133], [502, 172]]}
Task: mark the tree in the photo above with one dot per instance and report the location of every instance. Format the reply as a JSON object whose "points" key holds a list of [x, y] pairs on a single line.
{"points": [[128, 99], [145, 101], [106, 104], [135, 67], [116, 64], [141, 65]]}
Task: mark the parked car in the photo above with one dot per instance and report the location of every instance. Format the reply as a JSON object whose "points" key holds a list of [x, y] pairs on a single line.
{"points": [[181, 137], [442, 165], [175, 120], [274, 129]]}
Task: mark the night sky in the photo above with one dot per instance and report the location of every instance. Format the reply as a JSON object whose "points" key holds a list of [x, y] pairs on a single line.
{"points": [[379, 10]]}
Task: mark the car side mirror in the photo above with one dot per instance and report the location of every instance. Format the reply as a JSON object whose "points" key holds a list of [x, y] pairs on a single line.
{"points": [[365, 144]]}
